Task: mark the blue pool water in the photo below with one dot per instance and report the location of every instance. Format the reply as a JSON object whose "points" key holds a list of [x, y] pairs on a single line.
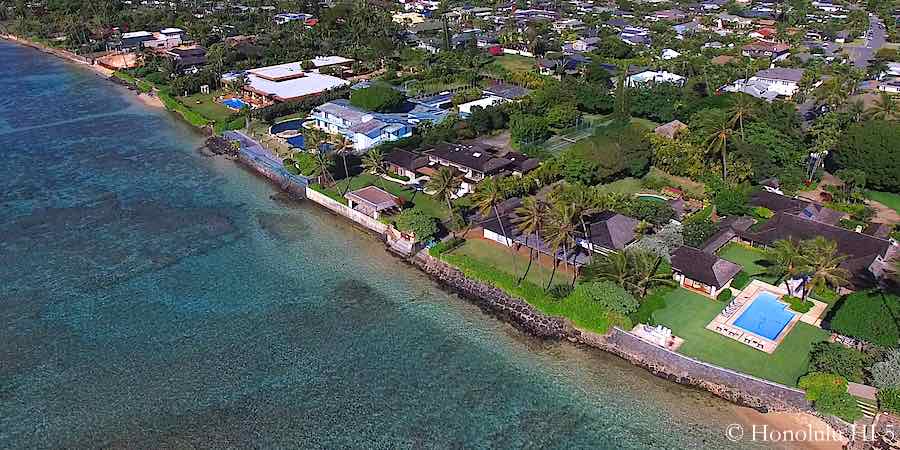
{"points": [[296, 142], [234, 103], [765, 317], [287, 125]]}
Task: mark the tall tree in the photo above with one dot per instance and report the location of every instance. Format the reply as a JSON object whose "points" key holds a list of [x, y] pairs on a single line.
{"points": [[560, 233], [341, 148], [784, 260], [322, 171], [743, 108], [717, 141], [444, 184], [530, 219], [885, 107], [822, 263], [487, 197]]}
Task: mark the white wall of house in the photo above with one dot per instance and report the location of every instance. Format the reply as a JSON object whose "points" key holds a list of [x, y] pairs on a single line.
{"points": [[498, 238]]}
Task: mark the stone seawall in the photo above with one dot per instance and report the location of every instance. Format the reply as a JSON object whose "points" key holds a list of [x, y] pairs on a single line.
{"points": [[733, 386], [493, 300]]}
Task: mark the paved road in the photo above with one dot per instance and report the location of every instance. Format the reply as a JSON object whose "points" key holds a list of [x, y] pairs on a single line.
{"points": [[875, 38]]}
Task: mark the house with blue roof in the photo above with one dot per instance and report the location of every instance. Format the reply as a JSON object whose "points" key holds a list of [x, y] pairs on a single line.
{"points": [[366, 129]]}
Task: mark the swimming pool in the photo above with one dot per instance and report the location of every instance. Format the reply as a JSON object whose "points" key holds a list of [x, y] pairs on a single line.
{"points": [[652, 198], [765, 317], [287, 125], [234, 103]]}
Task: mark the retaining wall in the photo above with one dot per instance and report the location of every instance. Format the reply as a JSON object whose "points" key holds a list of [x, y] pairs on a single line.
{"points": [[733, 386], [346, 211]]}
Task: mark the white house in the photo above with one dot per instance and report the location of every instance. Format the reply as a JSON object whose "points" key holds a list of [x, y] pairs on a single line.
{"points": [[362, 128], [769, 84], [654, 77], [465, 109]]}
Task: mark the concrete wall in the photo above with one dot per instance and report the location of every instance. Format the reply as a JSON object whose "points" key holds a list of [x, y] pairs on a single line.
{"points": [[345, 211], [731, 385]]}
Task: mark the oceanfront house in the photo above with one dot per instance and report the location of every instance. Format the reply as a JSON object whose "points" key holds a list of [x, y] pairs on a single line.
{"points": [[607, 232], [867, 258], [284, 83], [651, 77], [765, 49], [364, 129], [163, 40], [797, 206], [477, 161], [373, 201], [187, 59], [405, 164], [769, 84], [702, 272]]}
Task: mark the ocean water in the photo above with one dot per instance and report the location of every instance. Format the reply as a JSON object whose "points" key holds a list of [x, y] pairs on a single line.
{"points": [[152, 297]]}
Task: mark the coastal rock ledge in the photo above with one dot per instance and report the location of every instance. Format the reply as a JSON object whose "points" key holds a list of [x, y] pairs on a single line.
{"points": [[733, 386]]}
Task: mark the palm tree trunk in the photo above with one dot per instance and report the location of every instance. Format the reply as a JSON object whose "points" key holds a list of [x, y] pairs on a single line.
{"points": [[724, 167], [505, 239], [555, 265], [530, 260], [346, 174]]}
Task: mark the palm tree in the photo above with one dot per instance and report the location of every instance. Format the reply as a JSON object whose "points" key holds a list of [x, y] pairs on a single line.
{"points": [[560, 233], [530, 220], [644, 267], [322, 171], [637, 271], [742, 108], [717, 142], [342, 148], [487, 197], [609, 267], [785, 259], [373, 162], [822, 263], [445, 183], [856, 110], [884, 108]]}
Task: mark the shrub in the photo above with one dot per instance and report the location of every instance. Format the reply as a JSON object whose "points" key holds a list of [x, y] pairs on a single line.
{"points": [[560, 291], [445, 246], [828, 392], [798, 304], [414, 221], [698, 230], [611, 296], [889, 400], [741, 280], [725, 296], [378, 97], [399, 177], [886, 373], [763, 213], [869, 316], [828, 357]]}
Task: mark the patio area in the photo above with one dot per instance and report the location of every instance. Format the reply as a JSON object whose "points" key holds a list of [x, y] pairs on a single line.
{"points": [[758, 318]]}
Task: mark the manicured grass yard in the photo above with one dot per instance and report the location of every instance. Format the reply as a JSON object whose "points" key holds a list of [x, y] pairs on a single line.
{"points": [[626, 186], [687, 314], [419, 200], [515, 63], [751, 259], [480, 263], [208, 106], [510, 262], [889, 199]]}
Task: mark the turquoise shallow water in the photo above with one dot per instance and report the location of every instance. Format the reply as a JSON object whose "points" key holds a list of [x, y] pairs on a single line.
{"points": [[153, 297]]}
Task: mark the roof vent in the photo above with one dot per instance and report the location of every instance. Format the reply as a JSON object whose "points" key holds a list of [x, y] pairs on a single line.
{"points": [[476, 154]]}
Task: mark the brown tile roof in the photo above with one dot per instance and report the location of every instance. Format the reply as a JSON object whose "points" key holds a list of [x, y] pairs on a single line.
{"points": [[375, 197], [611, 230], [704, 267]]}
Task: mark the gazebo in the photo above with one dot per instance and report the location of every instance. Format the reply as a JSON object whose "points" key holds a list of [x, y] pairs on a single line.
{"points": [[371, 201]]}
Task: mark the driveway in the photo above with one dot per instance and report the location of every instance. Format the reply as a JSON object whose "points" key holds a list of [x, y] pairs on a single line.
{"points": [[874, 39]]}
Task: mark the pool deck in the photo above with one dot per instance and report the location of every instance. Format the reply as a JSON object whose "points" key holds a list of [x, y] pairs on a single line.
{"points": [[723, 323]]}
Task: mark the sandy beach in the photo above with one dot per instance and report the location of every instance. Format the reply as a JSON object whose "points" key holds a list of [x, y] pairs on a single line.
{"points": [[786, 430]]}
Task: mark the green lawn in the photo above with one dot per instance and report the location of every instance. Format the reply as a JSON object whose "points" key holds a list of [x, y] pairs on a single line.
{"points": [[475, 263], [624, 186], [889, 199], [751, 259], [687, 314], [206, 105], [510, 262], [420, 200], [515, 63]]}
